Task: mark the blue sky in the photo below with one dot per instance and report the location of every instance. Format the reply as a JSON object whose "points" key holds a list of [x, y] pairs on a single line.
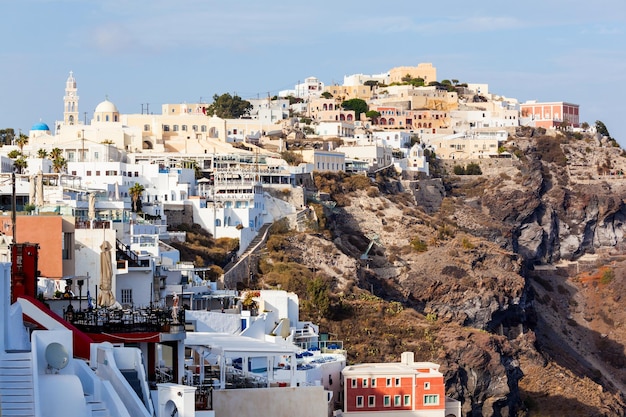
{"points": [[154, 52]]}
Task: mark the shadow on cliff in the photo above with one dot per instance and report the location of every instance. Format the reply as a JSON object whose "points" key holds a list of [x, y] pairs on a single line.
{"points": [[539, 404], [563, 340]]}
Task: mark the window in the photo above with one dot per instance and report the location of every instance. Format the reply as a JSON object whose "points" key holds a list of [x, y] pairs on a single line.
{"points": [[364, 382], [166, 128], [203, 129], [88, 173], [397, 382], [194, 128], [127, 296], [359, 401], [407, 400], [184, 127], [426, 385], [146, 128], [431, 399], [373, 383], [73, 172], [67, 246], [175, 128], [387, 401], [396, 401], [388, 382], [97, 173], [371, 401], [352, 381]]}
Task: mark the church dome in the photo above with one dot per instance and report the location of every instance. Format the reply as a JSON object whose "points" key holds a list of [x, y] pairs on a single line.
{"points": [[106, 107], [40, 126]]}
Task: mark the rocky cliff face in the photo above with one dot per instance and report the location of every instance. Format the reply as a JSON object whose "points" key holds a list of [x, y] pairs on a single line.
{"points": [[458, 281]]}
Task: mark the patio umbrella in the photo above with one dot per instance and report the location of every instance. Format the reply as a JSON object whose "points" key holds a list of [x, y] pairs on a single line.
{"points": [[31, 190], [92, 206], [105, 296], [39, 191]]}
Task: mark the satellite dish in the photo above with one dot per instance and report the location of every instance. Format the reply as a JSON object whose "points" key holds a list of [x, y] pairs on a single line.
{"points": [[57, 356]]}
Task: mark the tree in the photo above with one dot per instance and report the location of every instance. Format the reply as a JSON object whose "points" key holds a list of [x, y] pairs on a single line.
{"points": [[228, 107], [358, 105], [135, 194], [42, 153], [14, 154], [55, 153], [6, 136], [371, 83], [59, 164], [372, 114], [20, 164], [326, 94], [473, 169], [585, 126], [21, 140], [602, 130]]}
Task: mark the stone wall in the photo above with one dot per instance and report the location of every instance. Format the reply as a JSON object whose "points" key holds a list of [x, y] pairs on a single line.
{"points": [[178, 214]]}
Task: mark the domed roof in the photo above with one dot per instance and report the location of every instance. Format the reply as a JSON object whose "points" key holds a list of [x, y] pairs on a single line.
{"points": [[106, 107], [40, 126]]}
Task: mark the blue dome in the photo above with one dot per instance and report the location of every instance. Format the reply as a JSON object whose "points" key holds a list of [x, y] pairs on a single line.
{"points": [[40, 126]]}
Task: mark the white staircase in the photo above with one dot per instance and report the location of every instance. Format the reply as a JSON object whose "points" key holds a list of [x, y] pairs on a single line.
{"points": [[16, 385], [97, 408]]}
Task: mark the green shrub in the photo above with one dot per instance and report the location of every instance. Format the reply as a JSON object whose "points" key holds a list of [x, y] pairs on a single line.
{"points": [[419, 245]]}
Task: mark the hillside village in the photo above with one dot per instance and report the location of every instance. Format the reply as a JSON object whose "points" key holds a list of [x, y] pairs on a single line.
{"points": [[130, 190]]}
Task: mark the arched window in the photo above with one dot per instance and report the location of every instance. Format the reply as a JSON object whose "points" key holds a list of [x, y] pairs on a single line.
{"points": [[106, 118], [175, 128], [194, 128], [218, 222], [166, 128], [146, 128]]}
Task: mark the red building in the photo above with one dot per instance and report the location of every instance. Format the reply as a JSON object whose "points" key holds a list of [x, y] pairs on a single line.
{"points": [[406, 388], [550, 115]]}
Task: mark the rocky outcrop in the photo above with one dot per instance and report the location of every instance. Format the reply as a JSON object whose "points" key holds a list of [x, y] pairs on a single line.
{"points": [[481, 371]]}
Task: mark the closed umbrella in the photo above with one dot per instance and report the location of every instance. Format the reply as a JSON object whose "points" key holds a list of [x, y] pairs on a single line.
{"points": [[92, 206], [31, 190], [39, 192], [105, 296]]}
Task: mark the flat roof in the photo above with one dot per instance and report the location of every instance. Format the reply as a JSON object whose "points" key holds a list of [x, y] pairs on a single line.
{"points": [[226, 343]]}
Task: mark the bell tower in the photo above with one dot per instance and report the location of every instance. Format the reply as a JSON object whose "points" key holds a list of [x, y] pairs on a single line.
{"points": [[70, 100]]}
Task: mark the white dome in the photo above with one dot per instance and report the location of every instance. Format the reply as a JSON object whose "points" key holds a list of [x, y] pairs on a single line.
{"points": [[106, 107]]}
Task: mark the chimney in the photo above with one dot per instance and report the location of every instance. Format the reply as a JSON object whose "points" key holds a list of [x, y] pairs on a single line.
{"points": [[407, 358]]}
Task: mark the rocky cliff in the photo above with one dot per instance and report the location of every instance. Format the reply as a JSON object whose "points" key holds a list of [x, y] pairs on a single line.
{"points": [[511, 279]]}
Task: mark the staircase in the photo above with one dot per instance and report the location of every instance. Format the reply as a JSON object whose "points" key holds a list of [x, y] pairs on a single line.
{"points": [[260, 236], [97, 408], [16, 385], [133, 380]]}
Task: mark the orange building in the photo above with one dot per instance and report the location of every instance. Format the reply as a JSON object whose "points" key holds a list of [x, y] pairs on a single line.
{"points": [[406, 388], [55, 236], [550, 115]]}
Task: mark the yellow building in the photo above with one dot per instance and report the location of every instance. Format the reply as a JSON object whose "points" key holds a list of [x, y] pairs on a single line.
{"points": [[422, 70]]}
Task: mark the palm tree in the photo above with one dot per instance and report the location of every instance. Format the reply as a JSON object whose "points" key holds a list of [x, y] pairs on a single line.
{"points": [[135, 194], [21, 141], [55, 153], [42, 153], [59, 164], [20, 164]]}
